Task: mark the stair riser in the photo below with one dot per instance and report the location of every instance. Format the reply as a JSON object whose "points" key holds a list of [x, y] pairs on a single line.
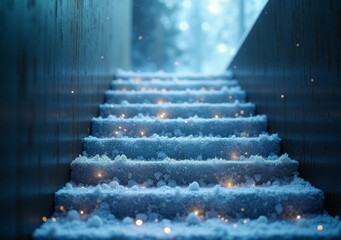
{"points": [[182, 148], [175, 97], [175, 128], [169, 204], [178, 110], [173, 173], [171, 86]]}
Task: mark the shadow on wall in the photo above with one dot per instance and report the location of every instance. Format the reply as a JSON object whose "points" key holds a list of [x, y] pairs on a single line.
{"points": [[290, 65], [57, 58]]}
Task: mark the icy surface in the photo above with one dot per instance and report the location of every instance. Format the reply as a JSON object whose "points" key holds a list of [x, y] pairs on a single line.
{"points": [[183, 147], [254, 170], [204, 110], [260, 228], [190, 96], [218, 127]]}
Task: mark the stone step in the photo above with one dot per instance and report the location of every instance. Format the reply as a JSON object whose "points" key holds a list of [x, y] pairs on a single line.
{"points": [[183, 147], [222, 127], [189, 96], [103, 225], [203, 110], [129, 172], [275, 200], [173, 85], [163, 75]]}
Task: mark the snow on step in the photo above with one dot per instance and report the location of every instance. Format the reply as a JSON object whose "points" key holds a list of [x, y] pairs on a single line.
{"points": [[164, 75], [184, 110], [280, 200], [190, 96], [183, 147], [103, 225], [254, 171], [173, 85], [223, 127]]}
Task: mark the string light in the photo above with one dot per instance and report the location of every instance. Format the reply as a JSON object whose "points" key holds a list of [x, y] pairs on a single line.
{"points": [[54, 219], [230, 97], [234, 156], [167, 230], [156, 220], [319, 227], [61, 208], [72, 91], [44, 219], [242, 209], [228, 184], [139, 222], [142, 133], [123, 115], [160, 102], [298, 217], [282, 96], [245, 221], [162, 115], [216, 116], [81, 212], [163, 90], [235, 225], [99, 174], [226, 220], [196, 212], [236, 114], [241, 112]]}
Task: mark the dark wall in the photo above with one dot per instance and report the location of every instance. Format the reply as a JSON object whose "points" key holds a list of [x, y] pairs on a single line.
{"points": [[294, 50], [57, 58]]}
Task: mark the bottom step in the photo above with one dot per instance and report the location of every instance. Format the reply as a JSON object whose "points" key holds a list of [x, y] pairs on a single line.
{"points": [[279, 200], [73, 226]]}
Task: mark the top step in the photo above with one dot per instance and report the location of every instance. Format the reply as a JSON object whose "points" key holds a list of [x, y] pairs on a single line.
{"points": [[170, 85], [162, 75]]}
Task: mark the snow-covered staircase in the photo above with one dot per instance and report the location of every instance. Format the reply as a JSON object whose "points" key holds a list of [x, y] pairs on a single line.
{"points": [[184, 157]]}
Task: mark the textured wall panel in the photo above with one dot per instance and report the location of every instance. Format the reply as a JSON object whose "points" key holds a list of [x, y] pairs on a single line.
{"points": [[294, 50], [57, 58]]}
